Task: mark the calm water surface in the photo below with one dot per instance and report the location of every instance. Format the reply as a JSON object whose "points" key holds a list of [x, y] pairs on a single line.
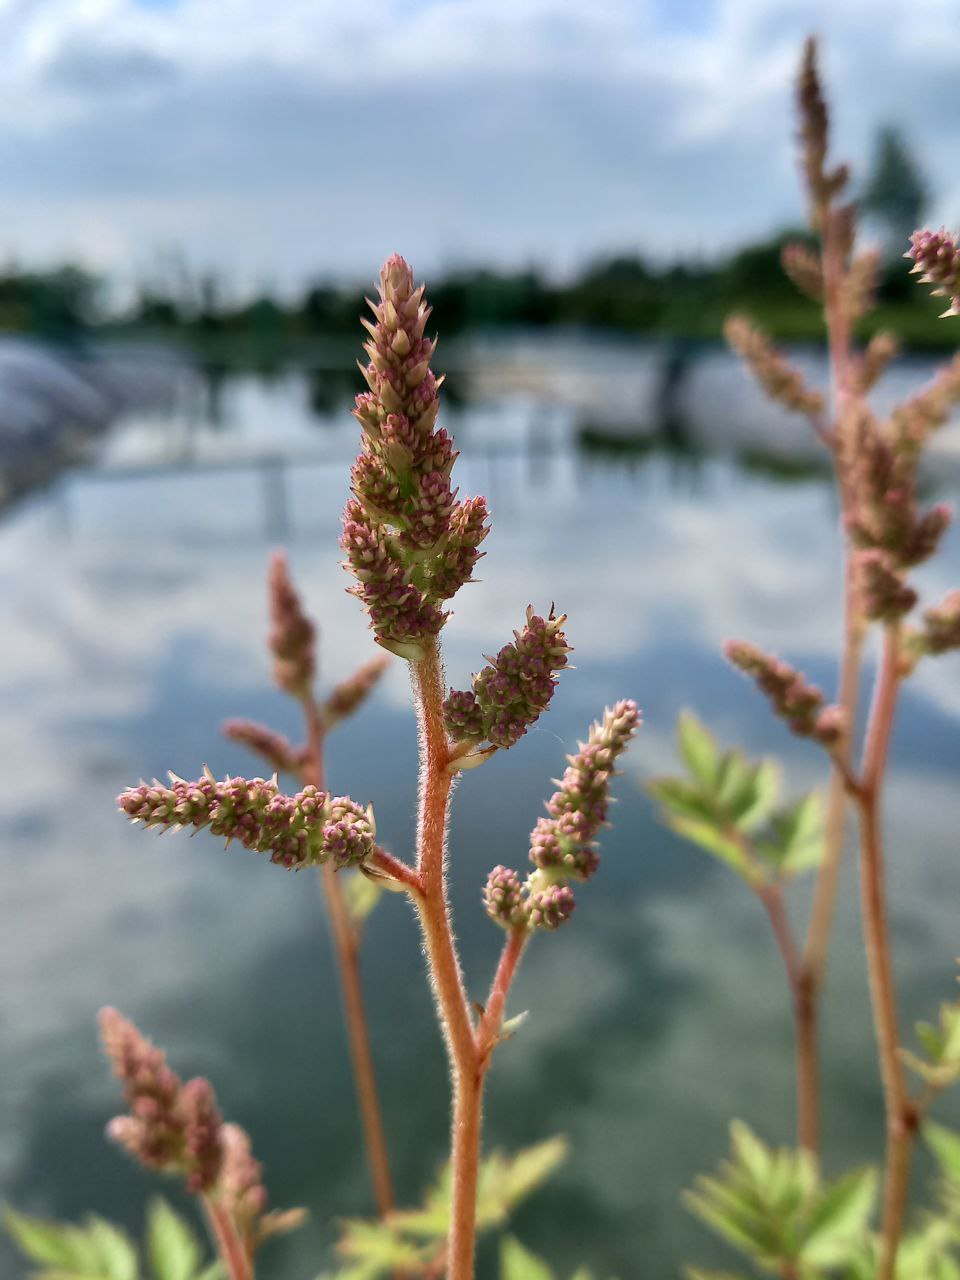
{"points": [[134, 624]]}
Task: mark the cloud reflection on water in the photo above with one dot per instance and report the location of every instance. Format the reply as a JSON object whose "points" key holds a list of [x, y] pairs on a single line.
{"points": [[135, 624]]}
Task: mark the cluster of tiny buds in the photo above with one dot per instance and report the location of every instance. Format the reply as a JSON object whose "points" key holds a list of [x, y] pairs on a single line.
{"points": [[778, 377], [885, 596], [941, 625], [791, 696], [292, 637], [562, 846], [915, 420], [278, 751], [351, 693], [171, 1126], [884, 515], [802, 266], [822, 185], [410, 544], [936, 259], [306, 829], [514, 689], [877, 354], [241, 1183]]}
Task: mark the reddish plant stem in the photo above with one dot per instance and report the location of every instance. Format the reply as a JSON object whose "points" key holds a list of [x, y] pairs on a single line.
{"points": [[237, 1263], [804, 1015], [813, 962], [492, 1020], [466, 1068], [901, 1113], [346, 944], [394, 869]]}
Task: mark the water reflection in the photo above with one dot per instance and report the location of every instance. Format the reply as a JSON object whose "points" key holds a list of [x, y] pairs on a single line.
{"points": [[135, 625]]}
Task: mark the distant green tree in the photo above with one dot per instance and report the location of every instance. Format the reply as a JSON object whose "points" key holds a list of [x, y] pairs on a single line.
{"points": [[895, 194]]}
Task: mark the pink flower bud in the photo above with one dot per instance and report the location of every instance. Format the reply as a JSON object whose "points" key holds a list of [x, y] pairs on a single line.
{"points": [[309, 828], [293, 634], [936, 259], [511, 693], [407, 540], [503, 897], [277, 750], [549, 908], [351, 693], [792, 698]]}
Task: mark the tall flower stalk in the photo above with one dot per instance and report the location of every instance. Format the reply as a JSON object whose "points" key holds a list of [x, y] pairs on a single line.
{"points": [[411, 544], [293, 645], [886, 534]]}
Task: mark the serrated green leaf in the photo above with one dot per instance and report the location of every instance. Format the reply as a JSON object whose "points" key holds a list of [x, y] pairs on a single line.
{"points": [[723, 1221], [750, 1152], [699, 750], [794, 842], [116, 1253], [930, 1039], [376, 1249], [736, 784], [950, 1031], [710, 837], [518, 1263], [529, 1168], [839, 1218], [57, 1244], [172, 1247], [766, 792], [681, 799], [945, 1145]]}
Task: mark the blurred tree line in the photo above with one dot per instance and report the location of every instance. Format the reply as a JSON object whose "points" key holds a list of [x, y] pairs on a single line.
{"points": [[623, 293]]}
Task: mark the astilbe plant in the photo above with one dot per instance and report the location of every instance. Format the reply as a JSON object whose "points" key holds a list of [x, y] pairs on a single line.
{"points": [[772, 1206], [410, 544]]}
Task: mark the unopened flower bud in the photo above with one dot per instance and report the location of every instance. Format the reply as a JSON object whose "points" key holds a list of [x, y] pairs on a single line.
{"points": [[791, 696], [548, 908], [936, 259], [306, 829], [802, 266], [941, 625], [293, 634], [278, 751], [408, 541], [350, 694], [511, 693], [778, 377], [503, 897], [885, 595]]}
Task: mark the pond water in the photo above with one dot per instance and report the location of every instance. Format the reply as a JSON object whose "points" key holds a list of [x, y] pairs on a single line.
{"points": [[134, 624]]}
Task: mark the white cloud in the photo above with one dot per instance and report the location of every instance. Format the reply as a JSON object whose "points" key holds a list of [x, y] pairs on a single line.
{"points": [[320, 134]]}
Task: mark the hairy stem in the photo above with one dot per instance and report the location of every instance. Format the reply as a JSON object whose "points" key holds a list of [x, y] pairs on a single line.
{"points": [[466, 1068], [489, 1030], [347, 948], [237, 1264], [901, 1115]]}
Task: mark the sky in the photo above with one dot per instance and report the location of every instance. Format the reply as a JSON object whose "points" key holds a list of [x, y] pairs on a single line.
{"points": [[288, 140]]}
